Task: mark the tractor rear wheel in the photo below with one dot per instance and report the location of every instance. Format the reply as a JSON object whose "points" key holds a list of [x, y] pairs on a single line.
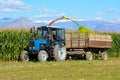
{"points": [[104, 55], [89, 55], [24, 56], [42, 56], [59, 53]]}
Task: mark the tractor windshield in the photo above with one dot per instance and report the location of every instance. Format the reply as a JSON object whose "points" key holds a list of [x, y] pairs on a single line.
{"points": [[42, 33]]}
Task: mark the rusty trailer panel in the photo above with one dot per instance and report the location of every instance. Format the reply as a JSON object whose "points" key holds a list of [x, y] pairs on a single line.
{"points": [[100, 44], [100, 41]]}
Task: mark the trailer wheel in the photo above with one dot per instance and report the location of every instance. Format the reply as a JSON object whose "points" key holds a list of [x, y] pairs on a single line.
{"points": [[24, 56], [42, 56], [59, 53], [89, 56], [104, 55]]}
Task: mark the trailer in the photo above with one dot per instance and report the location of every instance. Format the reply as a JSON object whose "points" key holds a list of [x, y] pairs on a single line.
{"points": [[86, 44]]}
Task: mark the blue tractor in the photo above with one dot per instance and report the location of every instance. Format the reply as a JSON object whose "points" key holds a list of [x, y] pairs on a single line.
{"points": [[47, 44]]}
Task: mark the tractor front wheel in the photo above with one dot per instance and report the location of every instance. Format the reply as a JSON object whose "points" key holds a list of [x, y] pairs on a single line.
{"points": [[42, 56], [24, 56]]}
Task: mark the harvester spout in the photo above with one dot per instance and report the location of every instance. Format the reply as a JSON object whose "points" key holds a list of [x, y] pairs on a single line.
{"points": [[63, 17]]}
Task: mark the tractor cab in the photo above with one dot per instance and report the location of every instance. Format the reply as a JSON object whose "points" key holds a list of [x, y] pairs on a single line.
{"points": [[52, 35], [47, 36]]}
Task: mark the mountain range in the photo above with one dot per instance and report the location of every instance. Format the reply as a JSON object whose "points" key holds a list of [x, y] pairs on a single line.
{"points": [[21, 22], [95, 25]]}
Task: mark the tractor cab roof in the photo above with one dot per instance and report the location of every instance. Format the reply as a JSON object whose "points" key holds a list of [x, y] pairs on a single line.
{"points": [[52, 27]]}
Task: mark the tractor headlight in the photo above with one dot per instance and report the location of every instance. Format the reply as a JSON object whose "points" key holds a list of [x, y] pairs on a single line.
{"points": [[33, 47], [30, 48]]}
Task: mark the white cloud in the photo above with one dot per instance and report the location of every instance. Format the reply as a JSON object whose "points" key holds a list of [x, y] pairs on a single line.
{"points": [[116, 20], [104, 13], [8, 10], [98, 18], [44, 9], [38, 21], [12, 5], [49, 15], [79, 19], [112, 10], [100, 13]]}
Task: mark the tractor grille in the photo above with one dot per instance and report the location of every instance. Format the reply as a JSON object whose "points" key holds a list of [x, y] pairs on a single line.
{"points": [[31, 44]]}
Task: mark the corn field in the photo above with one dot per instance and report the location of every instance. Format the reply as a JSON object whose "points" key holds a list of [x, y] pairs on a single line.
{"points": [[12, 42], [115, 50]]}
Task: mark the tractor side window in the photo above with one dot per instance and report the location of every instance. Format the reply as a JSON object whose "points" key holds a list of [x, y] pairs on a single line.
{"points": [[45, 34], [60, 34], [39, 33]]}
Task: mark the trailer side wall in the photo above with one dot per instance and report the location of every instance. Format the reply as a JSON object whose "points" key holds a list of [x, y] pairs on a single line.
{"points": [[85, 40]]}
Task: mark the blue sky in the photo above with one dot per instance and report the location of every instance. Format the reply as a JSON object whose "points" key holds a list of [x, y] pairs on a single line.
{"points": [[46, 10]]}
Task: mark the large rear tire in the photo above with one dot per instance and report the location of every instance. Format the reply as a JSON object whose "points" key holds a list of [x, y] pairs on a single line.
{"points": [[89, 56], [42, 56], [104, 55], [24, 56], [59, 53]]}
